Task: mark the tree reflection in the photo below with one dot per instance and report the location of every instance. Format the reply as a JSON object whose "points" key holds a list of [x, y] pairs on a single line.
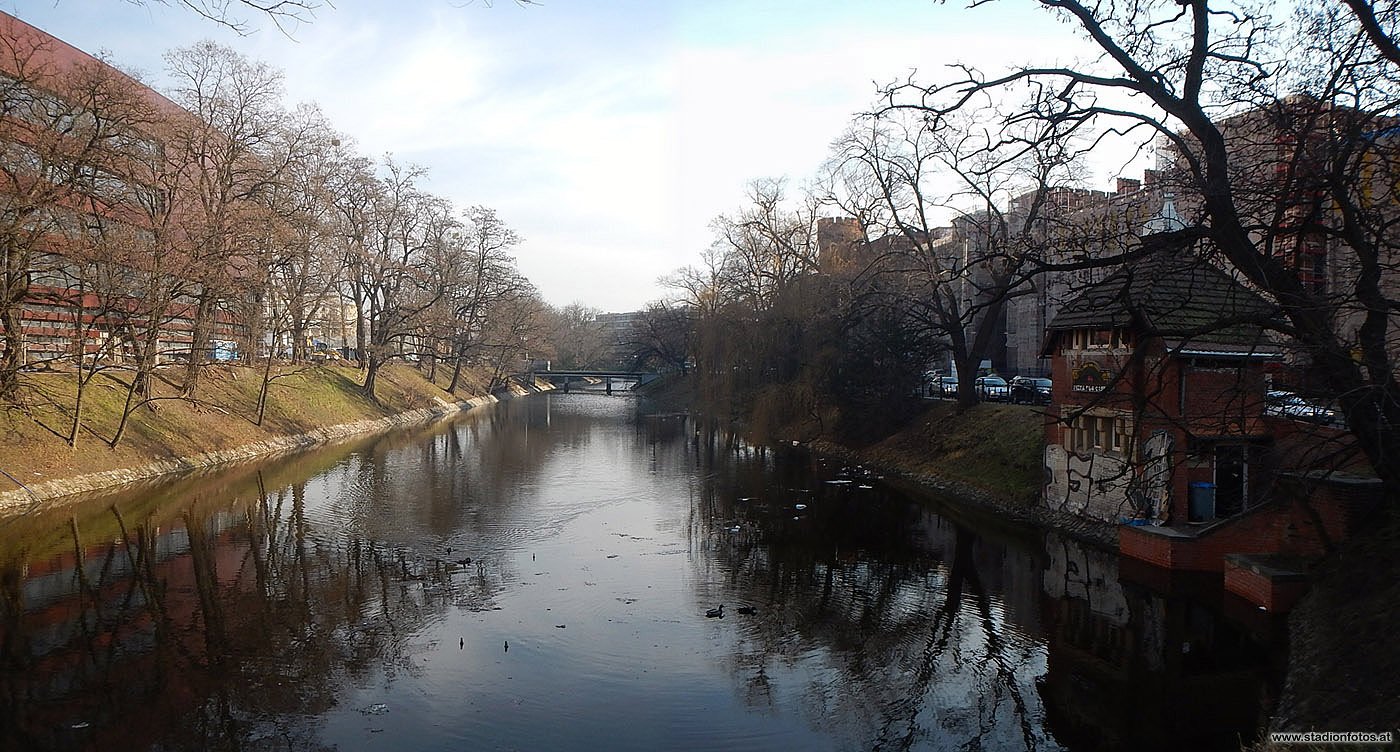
{"points": [[226, 627], [233, 611], [901, 642]]}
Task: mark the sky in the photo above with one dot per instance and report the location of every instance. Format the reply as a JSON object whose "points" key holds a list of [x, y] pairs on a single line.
{"points": [[608, 133]]}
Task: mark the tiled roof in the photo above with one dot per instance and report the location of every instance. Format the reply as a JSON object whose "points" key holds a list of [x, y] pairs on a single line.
{"points": [[1174, 294]]}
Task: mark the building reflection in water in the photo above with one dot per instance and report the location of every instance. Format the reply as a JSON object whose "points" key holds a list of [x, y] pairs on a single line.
{"points": [[216, 628], [912, 631], [238, 610], [1149, 667]]}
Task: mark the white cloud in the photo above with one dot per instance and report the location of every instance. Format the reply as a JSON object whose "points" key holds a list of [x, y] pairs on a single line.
{"points": [[608, 136]]}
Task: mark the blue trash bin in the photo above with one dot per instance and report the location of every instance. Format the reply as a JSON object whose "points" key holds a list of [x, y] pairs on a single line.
{"points": [[1201, 505]]}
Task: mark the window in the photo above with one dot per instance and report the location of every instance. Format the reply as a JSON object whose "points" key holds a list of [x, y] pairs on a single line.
{"points": [[1099, 339], [1120, 435], [1098, 433], [1317, 279]]}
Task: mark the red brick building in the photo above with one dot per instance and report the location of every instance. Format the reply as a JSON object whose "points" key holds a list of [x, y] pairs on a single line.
{"points": [[80, 148], [1159, 375], [1160, 420]]}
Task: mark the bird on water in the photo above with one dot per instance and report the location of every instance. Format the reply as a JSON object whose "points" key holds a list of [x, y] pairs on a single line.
{"points": [[715, 612]]}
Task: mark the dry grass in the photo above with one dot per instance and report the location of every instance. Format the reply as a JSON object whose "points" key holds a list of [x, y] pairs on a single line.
{"points": [[33, 446], [992, 447], [997, 448]]}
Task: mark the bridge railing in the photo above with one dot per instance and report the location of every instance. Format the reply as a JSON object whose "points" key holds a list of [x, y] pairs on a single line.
{"points": [[639, 377]]}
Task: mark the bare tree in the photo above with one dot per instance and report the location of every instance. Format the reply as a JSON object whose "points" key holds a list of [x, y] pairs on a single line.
{"points": [[961, 211], [145, 257], [663, 336], [354, 191], [286, 15], [230, 144], [517, 319], [485, 276], [50, 159], [1283, 132], [576, 338], [700, 290], [301, 255], [87, 174], [395, 267], [768, 245]]}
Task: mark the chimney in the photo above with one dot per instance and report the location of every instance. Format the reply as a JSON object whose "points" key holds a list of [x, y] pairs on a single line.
{"points": [[1128, 185]]}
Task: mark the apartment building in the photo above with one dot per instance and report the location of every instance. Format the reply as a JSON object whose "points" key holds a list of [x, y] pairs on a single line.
{"points": [[86, 226]]}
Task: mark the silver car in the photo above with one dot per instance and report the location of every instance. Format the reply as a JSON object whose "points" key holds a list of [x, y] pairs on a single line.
{"points": [[992, 388], [1290, 405]]}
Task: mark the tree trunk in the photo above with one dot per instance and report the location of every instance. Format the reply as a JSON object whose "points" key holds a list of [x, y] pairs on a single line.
{"points": [[372, 363], [138, 392], [12, 357], [967, 379], [263, 390], [199, 341], [128, 407], [76, 425], [456, 373], [298, 336], [360, 334], [247, 344], [81, 371], [146, 358]]}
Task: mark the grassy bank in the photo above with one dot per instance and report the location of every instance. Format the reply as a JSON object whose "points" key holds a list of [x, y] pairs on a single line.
{"points": [[1343, 670], [991, 449], [994, 448], [224, 416]]}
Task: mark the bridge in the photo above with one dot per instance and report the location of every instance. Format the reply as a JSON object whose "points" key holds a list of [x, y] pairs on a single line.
{"points": [[607, 377]]}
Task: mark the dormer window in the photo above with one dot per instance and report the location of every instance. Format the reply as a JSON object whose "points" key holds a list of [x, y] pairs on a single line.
{"points": [[1100, 339]]}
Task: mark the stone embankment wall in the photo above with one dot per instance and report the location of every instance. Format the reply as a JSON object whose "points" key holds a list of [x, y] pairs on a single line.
{"points": [[18, 500]]}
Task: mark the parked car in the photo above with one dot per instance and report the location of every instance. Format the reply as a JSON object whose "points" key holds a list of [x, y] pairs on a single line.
{"points": [[1290, 405], [948, 386], [1027, 390], [992, 388]]}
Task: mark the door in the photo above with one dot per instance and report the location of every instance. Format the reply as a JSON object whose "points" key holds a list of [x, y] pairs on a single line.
{"points": [[1231, 479]]}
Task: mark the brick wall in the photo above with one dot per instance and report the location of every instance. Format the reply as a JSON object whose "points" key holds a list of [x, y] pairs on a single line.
{"points": [[1256, 533], [1091, 485], [1307, 518], [1274, 591]]}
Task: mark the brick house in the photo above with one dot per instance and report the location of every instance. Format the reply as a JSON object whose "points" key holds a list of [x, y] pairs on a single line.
{"points": [[1160, 420], [1159, 375]]}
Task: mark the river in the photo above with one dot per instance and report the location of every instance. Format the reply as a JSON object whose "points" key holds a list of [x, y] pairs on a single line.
{"points": [[536, 575]]}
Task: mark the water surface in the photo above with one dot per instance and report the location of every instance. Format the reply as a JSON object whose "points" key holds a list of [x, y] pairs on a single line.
{"points": [[326, 601]]}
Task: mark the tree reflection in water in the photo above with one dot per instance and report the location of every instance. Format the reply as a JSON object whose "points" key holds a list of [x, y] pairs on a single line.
{"points": [[916, 650], [223, 628], [274, 608]]}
